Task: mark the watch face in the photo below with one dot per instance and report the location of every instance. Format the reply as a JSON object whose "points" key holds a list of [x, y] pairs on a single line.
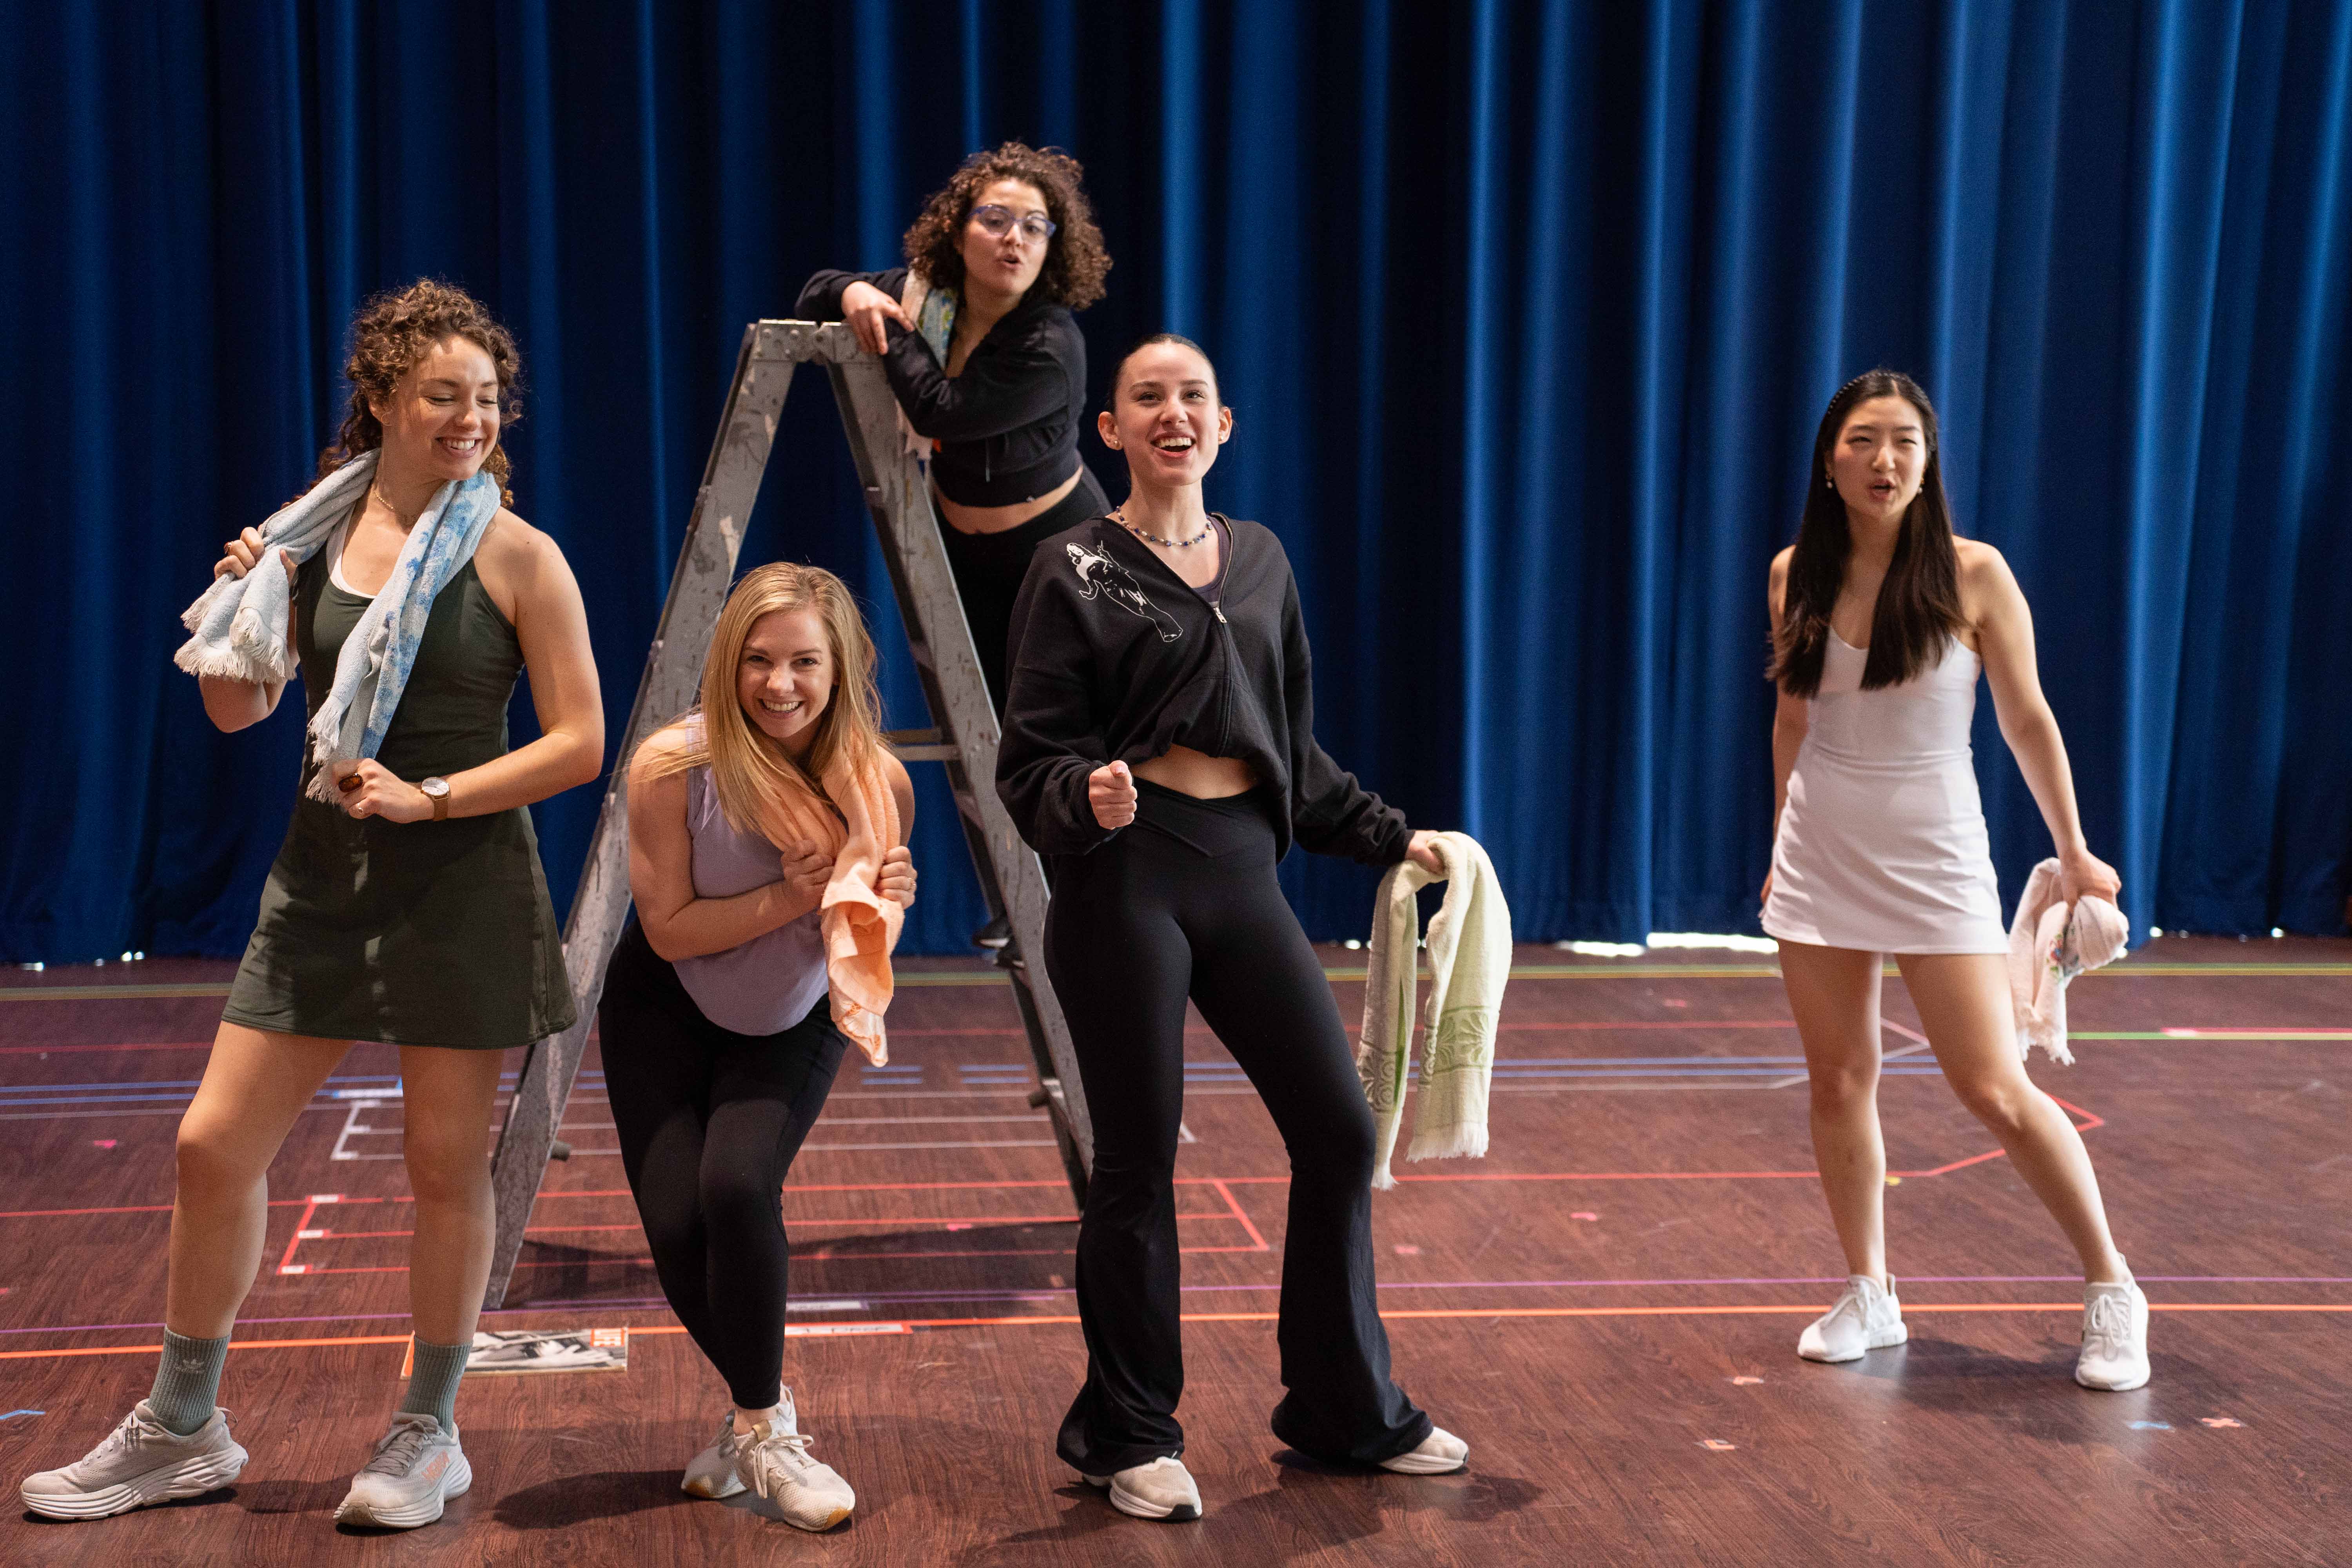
{"points": [[434, 786]]}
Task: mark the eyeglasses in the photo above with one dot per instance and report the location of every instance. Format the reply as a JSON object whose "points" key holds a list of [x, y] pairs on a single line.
{"points": [[996, 222]]}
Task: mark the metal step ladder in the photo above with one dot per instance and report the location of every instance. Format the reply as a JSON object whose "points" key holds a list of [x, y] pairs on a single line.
{"points": [[964, 737]]}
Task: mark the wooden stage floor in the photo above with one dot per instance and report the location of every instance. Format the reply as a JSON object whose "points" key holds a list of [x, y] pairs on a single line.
{"points": [[1606, 1308]]}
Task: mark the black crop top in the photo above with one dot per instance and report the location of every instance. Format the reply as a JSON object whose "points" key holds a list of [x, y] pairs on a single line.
{"points": [[1115, 657], [1006, 429]]}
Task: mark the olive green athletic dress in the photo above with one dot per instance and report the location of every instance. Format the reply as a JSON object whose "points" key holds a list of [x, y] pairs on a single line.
{"points": [[415, 933]]}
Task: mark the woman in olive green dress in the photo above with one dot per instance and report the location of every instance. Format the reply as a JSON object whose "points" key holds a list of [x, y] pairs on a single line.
{"points": [[412, 911]]}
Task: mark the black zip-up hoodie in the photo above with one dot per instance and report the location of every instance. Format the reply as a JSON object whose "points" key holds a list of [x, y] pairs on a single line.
{"points": [[1004, 431], [1114, 657]]}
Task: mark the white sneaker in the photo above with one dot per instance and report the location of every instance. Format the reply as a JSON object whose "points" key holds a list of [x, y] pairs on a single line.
{"points": [[142, 1461], [1161, 1490], [712, 1472], [775, 1459], [2115, 1337], [417, 1467], [1439, 1454], [1865, 1318]]}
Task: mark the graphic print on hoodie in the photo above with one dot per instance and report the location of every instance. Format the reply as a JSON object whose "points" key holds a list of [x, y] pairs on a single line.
{"points": [[1098, 574]]}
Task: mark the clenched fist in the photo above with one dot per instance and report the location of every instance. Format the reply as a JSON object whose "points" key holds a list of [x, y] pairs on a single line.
{"points": [[1111, 792]]}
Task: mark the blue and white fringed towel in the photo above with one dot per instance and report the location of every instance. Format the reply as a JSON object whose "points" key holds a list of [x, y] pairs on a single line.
{"points": [[1469, 962], [239, 623]]}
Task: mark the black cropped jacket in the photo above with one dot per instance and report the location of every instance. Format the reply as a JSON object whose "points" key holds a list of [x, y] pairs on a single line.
{"points": [[1114, 657], [1004, 430]]}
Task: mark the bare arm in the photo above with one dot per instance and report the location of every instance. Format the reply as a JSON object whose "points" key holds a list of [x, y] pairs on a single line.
{"points": [[2004, 628], [661, 872], [1790, 715], [676, 923], [521, 567]]}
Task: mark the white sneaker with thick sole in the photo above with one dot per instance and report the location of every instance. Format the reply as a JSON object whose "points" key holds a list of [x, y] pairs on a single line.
{"points": [[142, 1461], [2115, 1337], [775, 1459], [417, 1467], [1865, 1318], [1161, 1490], [1439, 1454], [712, 1472]]}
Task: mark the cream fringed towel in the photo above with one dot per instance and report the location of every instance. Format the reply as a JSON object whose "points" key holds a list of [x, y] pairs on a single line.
{"points": [[1470, 962], [2050, 942]]}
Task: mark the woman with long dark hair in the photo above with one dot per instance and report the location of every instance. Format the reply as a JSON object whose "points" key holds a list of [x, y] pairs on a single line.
{"points": [[1160, 747], [1882, 621], [407, 906]]}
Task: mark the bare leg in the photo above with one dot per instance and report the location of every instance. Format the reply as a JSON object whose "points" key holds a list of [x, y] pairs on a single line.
{"points": [[256, 1083], [1964, 1002], [447, 1099], [1833, 992]]}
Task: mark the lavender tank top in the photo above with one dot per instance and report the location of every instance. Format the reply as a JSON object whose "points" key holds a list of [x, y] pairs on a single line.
{"points": [[769, 983]]}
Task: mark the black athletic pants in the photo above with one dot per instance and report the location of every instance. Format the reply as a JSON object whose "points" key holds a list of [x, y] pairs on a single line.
{"points": [[989, 569], [1184, 903], [709, 1121]]}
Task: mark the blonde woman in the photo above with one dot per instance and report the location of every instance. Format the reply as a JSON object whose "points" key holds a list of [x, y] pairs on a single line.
{"points": [[764, 825]]}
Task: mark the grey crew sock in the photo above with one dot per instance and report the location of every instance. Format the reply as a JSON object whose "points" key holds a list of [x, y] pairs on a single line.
{"points": [[432, 1384], [187, 1382]]}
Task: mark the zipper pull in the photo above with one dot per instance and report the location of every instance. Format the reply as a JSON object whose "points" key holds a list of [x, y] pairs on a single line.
{"points": [[1218, 610]]}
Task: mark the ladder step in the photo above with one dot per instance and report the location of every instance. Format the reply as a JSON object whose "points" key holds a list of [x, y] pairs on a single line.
{"points": [[921, 746]]}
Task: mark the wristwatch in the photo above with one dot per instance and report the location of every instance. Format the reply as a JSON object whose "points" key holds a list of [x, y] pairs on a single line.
{"points": [[436, 790]]}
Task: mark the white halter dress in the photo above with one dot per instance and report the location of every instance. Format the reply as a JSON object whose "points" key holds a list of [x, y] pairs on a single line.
{"points": [[1881, 846]]}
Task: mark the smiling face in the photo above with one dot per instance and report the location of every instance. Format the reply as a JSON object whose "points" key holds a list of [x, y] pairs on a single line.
{"points": [[785, 676], [1879, 458], [442, 418], [1166, 416], [1004, 265]]}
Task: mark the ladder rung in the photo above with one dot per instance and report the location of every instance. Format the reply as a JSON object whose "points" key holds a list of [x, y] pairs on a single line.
{"points": [[921, 746]]}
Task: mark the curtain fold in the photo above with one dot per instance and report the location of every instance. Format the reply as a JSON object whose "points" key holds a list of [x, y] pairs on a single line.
{"points": [[1527, 308]]}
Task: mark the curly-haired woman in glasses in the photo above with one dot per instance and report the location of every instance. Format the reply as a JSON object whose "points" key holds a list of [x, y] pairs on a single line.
{"points": [[977, 337]]}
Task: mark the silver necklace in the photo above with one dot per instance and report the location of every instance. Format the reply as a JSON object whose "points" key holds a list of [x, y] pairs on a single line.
{"points": [[1171, 543]]}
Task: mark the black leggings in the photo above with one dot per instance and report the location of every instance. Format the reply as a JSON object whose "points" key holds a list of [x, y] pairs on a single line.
{"points": [[989, 568], [1184, 903], [709, 1121]]}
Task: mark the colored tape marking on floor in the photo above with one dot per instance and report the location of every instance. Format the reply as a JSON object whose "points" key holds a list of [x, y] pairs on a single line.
{"points": [[1048, 1320]]}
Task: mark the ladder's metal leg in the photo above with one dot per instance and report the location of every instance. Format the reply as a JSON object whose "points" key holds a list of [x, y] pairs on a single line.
{"points": [[698, 590], [941, 640]]}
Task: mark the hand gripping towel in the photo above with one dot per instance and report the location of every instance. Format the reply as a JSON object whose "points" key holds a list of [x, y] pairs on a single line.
{"points": [[2050, 942], [1470, 962], [860, 927], [239, 622]]}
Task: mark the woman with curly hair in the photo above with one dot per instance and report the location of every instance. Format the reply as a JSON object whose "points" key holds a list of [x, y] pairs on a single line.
{"points": [[407, 906], [977, 337]]}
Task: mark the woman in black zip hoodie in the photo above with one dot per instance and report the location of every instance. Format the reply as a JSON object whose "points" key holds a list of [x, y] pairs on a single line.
{"points": [[1159, 746]]}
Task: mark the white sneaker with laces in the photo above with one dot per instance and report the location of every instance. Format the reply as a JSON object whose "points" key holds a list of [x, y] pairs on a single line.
{"points": [[775, 1459], [1161, 1490], [142, 1461], [712, 1472], [416, 1469], [1439, 1454], [2115, 1337], [1866, 1316]]}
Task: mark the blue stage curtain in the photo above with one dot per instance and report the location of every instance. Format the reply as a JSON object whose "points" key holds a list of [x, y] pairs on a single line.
{"points": [[1528, 312]]}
